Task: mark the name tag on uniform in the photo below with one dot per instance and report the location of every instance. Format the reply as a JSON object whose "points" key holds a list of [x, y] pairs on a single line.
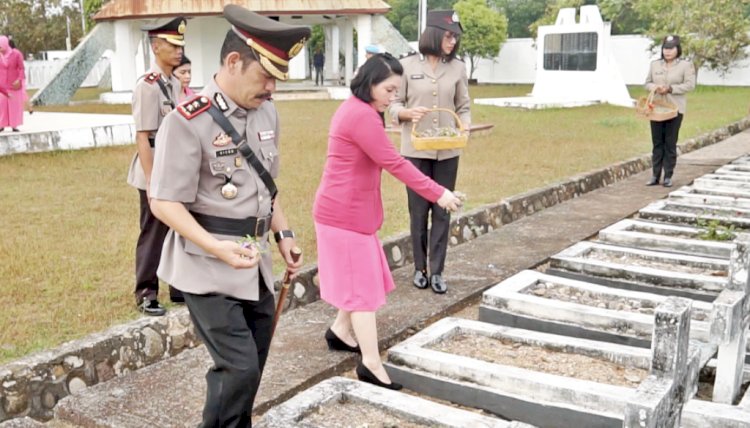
{"points": [[417, 76], [225, 152], [266, 135]]}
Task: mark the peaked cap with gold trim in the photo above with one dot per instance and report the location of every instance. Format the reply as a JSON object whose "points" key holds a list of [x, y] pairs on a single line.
{"points": [[171, 29], [274, 42]]}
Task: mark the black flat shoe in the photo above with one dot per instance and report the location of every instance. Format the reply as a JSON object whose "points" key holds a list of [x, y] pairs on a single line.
{"points": [[336, 344], [365, 375], [667, 182], [653, 182], [438, 285], [420, 280]]}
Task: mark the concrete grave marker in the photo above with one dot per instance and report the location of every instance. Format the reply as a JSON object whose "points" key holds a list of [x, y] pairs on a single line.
{"points": [[658, 401]]}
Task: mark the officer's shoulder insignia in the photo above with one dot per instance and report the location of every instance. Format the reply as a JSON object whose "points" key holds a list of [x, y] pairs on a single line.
{"points": [[406, 55], [194, 106], [151, 77], [221, 102]]}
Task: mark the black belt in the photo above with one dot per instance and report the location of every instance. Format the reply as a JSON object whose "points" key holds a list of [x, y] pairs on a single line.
{"points": [[151, 142], [252, 226]]}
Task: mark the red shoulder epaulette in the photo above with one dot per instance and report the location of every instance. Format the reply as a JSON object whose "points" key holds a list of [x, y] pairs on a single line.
{"points": [[151, 77], [194, 106]]}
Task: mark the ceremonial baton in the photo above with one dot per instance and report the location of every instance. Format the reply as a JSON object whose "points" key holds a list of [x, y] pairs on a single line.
{"points": [[296, 253]]}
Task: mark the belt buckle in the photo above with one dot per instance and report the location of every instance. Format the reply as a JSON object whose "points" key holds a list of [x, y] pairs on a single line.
{"points": [[260, 227]]}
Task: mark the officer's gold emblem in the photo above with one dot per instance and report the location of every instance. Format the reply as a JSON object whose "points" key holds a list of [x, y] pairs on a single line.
{"points": [[294, 50], [181, 27]]}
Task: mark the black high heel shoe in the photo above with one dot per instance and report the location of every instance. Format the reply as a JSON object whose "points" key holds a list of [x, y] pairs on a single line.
{"points": [[336, 344], [365, 375]]}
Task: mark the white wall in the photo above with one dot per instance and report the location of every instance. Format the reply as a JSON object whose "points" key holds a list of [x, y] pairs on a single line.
{"points": [[516, 63]]}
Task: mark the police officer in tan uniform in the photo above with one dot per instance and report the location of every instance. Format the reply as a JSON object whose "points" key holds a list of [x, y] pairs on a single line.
{"points": [[155, 95], [672, 77], [432, 79], [212, 183]]}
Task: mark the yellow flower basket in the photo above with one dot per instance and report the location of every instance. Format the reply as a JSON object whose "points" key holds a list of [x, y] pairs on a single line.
{"points": [[441, 142]]}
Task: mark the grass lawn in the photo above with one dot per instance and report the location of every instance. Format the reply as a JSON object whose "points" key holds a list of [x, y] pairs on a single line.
{"points": [[71, 221]]}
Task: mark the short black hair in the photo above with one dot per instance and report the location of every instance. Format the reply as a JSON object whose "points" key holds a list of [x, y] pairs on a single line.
{"points": [[679, 51], [375, 70], [233, 43], [431, 43], [184, 60]]}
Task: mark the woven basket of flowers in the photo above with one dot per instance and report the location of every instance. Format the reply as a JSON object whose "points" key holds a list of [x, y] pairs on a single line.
{"points": [[655, 108], [442, 138]]}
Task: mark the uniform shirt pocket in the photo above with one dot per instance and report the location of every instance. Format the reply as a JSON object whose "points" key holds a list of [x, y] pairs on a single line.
{"points": [[268, 153]]}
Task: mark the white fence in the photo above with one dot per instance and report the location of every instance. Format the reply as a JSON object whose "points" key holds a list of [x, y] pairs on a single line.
{"points": [[516, 63], [40, 72]]}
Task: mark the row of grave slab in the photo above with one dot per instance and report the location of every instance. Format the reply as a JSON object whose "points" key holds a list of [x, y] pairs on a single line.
{"points": [[648, 298], [651, 313]]}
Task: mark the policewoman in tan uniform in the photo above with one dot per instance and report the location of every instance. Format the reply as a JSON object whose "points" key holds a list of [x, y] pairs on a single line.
{"points": [[154, 97], [432, 79], [212, 183], [674, 77]]}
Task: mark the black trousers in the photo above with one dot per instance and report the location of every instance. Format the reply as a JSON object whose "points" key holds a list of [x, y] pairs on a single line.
{"points": [[420, 210], [148, 250], [664, 139], [318, 75], [237, 334]]}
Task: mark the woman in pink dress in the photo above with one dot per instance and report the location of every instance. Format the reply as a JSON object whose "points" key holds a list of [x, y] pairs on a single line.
{"points": [[184, 73], [12, 86], [348, 211]]}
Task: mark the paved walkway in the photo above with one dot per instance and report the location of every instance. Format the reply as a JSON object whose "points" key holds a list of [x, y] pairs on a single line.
{"points": [[171, 393]]}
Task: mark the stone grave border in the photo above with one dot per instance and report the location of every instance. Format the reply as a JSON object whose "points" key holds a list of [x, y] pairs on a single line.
{"points": [[507, 304], [659, 211], [570, 263], [514, 393], [626, 233], [694, 196], [292, 412], [24, 382]]}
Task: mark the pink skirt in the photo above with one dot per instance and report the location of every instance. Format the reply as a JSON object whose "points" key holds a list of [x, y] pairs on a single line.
{"points": [[352, 268]]}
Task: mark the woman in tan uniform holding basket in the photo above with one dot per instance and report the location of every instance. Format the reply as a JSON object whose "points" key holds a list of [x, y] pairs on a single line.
{"points": [[671, 77], [433, 79]]}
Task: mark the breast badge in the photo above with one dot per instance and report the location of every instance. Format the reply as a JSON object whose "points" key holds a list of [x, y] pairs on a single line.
{"points": [[222, 140]]}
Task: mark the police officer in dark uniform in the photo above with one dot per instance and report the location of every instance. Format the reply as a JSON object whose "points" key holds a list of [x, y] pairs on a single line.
{"points": [[212, 183], [154, 97]]}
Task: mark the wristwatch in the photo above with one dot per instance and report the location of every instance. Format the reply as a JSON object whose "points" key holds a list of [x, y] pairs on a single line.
{"points": [[278, 236]]}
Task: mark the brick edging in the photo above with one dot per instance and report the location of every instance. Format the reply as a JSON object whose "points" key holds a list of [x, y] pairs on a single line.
{"points": [[31, 386]]}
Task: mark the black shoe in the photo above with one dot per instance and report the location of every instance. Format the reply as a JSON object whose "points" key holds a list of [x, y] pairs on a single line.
{"points": [[420, 280], [15, 130], [653, 182], [667, 182], [365, 375], [147, 304], [336, 344], [438, 284]]}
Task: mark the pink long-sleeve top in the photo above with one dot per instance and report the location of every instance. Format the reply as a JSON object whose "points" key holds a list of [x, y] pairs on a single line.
{"points": [[358, 150]]}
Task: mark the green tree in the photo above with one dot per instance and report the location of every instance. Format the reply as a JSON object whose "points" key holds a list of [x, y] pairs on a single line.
{"points": [[91, 8], [713, 33], [484, 30], [20, 20], [521, 14], [403, 14], [623, 16]]}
